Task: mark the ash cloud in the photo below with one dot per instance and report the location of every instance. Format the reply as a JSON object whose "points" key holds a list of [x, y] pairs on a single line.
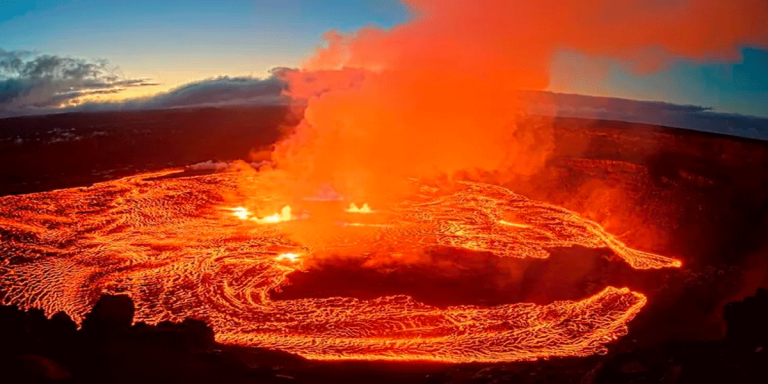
{"points": [[31, 82]]}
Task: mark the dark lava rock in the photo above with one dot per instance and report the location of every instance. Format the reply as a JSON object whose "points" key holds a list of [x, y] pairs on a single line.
{"points": [[32, 368], [748, 321], [112, 314]]}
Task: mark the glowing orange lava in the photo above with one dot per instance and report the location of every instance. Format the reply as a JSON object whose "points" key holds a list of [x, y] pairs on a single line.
{"points": [[284, 215], [292, 257], [355, 209], [241, 213], [507, 223], [170, 244]]}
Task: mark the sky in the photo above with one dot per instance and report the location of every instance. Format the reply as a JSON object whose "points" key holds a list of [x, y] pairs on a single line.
{"points": [[174, 42], [171, 43]]}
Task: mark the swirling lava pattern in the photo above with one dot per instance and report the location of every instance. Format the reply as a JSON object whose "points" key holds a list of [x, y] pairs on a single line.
{"points": [[169, 244]]}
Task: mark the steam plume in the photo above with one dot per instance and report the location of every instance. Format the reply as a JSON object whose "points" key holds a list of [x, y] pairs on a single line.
{"points": [[437, 95]]}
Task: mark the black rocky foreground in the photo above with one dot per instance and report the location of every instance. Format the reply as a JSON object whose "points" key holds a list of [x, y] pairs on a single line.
{"points": [[109, 348]]}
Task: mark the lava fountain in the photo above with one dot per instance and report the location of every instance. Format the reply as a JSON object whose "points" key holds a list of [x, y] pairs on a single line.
{"points": [[180, 248]]}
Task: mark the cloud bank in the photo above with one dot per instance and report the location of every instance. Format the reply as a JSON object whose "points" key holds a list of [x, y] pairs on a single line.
{"points": [[30, 82], [41, 84], [214, 92]]}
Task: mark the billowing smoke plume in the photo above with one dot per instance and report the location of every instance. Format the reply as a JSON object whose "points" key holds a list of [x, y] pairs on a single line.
{"points": [[437, 95]]}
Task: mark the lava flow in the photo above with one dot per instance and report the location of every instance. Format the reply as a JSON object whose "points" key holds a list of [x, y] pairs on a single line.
{"points": [[181, 249]]}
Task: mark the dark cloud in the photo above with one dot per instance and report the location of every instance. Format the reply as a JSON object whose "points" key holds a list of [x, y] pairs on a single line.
{"points": [[214, 92], [30, 82], [39, 84], [221, 91]]}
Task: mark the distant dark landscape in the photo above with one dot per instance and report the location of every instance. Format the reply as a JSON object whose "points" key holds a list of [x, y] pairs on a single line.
{"points": [[75, 149]]}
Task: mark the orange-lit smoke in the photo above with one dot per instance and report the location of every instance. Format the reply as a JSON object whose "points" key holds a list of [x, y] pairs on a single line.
{"points": [[437, 94]]}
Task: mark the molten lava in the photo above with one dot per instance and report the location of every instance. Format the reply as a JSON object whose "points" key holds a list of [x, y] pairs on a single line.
{"points": [[169, 244], [507, 223], [355, 209], [244, 213], [284, 215], [292, 257], [241, 213]]}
